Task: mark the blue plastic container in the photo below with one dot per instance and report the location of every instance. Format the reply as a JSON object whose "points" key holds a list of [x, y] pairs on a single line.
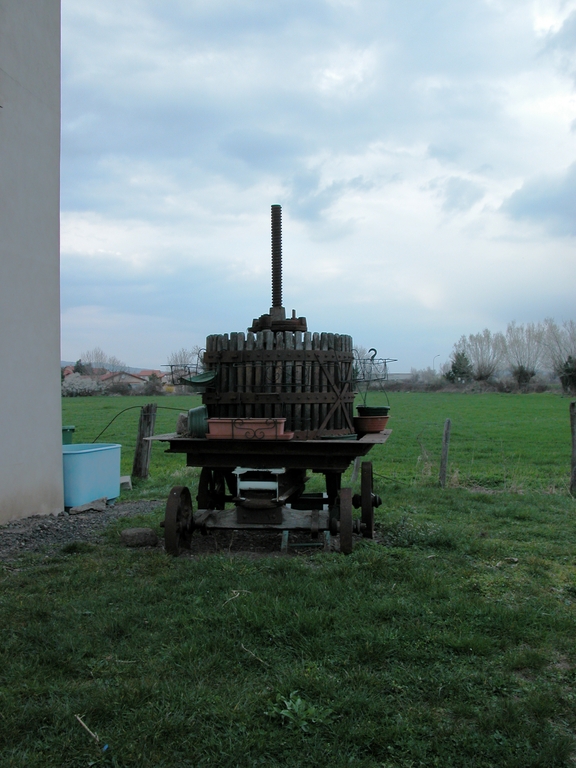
{"points": [[91, 471]]}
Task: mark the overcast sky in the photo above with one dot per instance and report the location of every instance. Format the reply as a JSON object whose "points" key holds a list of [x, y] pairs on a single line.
{"points": [[423, 152]]}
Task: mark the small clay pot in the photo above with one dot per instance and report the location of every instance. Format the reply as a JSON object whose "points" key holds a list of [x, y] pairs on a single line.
{"points": [[364, 424]]}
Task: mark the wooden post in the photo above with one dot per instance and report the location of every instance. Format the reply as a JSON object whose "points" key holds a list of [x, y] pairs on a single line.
{"points": [[144, 447], [573, 430], [444, 458]]}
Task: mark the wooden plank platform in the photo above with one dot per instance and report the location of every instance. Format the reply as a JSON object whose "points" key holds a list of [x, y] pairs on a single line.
{"points": [[331, 455]]}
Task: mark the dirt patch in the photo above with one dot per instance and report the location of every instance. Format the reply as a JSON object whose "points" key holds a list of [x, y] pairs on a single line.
{"points": [[47, 534]]}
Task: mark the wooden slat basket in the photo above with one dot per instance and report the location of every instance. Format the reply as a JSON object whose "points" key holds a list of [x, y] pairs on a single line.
{"points": [[305, 377]]}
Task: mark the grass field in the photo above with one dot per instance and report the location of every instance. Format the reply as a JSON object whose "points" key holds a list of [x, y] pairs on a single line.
{"points": [[449, 642], [504, 442]]}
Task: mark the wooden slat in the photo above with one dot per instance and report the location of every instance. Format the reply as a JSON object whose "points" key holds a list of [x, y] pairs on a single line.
{"points": [[258, 373], [323, 381], [307, 376], [298, 345], [330, 367], [268, 371], [232, 372], [289, 379], [249, 371], [338, 416], [278, 374]]}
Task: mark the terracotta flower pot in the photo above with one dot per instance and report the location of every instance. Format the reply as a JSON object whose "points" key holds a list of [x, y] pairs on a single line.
{"points": [[364, 424]]}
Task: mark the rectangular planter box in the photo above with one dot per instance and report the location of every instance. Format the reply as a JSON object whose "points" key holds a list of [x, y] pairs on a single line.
{"points": [[91, 471], [246, 429]]}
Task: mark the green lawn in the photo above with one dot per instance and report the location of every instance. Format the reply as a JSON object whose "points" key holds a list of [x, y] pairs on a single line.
{"points": [[450, 641], [504, 442]]}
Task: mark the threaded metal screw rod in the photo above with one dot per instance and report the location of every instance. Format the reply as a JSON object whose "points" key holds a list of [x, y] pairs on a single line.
{"points": [[276, 255]]}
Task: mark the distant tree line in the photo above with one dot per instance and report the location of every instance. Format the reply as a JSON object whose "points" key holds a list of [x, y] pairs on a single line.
{"points": [[523, 351], [96, 360]]}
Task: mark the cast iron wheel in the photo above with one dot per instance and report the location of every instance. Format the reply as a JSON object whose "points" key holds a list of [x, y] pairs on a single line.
{"points": [[178, 521], [346, 524], [366, 482]]}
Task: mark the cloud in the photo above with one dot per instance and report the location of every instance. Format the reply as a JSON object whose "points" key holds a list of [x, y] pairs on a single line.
{"points": [[398, 137], [459, 194], [549, 200]]}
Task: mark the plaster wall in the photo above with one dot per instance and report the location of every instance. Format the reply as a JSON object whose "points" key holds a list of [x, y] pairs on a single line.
{"points": [[30, 405]]}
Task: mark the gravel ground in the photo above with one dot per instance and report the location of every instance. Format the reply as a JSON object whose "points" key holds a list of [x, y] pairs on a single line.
{"points": [[47, 534]]}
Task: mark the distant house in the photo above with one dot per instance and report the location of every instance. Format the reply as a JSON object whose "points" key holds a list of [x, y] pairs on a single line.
{"points": [[123, 377], [148, 373]]}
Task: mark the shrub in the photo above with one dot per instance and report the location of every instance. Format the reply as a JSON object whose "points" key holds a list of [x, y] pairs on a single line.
{"points": [[119, 388], [76, 385], [153, 386]]}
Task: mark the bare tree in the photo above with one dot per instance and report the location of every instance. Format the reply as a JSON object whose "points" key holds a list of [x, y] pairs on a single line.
{"points": [[184, 357], [560, 351], [484, 350], [559, 344], [185, 362], [524, 350], [97, 358]]}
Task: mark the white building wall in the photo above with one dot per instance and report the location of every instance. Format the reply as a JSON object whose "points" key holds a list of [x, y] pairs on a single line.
{"points": [[30, 406]]}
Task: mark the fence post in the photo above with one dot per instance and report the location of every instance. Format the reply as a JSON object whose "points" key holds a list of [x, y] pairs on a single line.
{"points": [[444, 458], [573, 430], [144, 447]]}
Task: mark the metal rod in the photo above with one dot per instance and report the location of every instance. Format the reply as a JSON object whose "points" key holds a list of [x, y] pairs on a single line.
{"points": [[276, 255]]}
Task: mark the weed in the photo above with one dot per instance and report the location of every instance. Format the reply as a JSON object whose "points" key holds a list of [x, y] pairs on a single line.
{"points": [[297, 713]]}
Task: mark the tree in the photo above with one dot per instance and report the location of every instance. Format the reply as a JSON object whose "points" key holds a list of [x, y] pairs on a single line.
{"points": [[461, 369], [187, 358], [568, 376], [523, 348], [484, 351], [97, 358], [185, 362], [560, 349], [83, 370]]}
